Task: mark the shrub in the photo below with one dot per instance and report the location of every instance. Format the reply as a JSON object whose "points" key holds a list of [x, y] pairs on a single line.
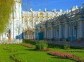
{"points": [[41, 45], [66, 47], [66, 44], [29, 41]]}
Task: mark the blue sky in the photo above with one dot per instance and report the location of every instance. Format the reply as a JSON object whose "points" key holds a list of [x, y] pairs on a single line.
{"points": [[50, 4]]}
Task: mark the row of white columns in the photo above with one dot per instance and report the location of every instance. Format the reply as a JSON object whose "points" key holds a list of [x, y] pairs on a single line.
{"points": [[66, 31]]}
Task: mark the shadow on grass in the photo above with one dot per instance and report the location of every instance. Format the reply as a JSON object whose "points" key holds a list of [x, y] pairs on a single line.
{"points": [[31, 49], [79, 51], [57, 57]]}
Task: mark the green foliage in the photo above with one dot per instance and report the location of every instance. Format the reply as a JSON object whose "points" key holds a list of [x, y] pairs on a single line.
{"points": [[67, 44], [66, 47], [6, 7], [41, 45], [29, 41]]}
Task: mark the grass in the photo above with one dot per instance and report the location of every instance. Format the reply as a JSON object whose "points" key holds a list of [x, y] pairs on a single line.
{"points": [[30, 55]]}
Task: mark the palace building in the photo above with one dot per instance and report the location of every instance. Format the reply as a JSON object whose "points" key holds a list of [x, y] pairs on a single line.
{"points": [[67, 26], [32, 18], [54, 25]]}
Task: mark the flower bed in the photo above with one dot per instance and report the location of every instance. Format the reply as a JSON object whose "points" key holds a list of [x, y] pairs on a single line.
{"points": [[66, 55]]}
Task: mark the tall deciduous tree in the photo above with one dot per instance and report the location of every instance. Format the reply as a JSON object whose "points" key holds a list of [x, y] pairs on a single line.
{"points": [[6, 7]]}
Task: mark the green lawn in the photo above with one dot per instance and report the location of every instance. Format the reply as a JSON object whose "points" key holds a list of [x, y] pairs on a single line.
{"points": [[29, 55]]}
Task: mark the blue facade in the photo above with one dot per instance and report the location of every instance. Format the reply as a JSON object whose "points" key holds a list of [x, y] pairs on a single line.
{"points": [[40, 35]]}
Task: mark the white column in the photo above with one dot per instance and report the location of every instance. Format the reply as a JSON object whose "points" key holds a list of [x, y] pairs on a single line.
{"points": [[57, 32], [60, 31], [45, 33], [80, 29], [51, 33], [54, 33], [66, 31]]}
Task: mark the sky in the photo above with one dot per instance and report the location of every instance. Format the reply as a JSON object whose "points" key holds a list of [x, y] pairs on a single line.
{"points": [[50, 4]]}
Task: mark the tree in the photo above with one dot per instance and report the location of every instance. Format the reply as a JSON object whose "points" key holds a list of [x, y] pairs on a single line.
{"points": [[6, 7]]}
